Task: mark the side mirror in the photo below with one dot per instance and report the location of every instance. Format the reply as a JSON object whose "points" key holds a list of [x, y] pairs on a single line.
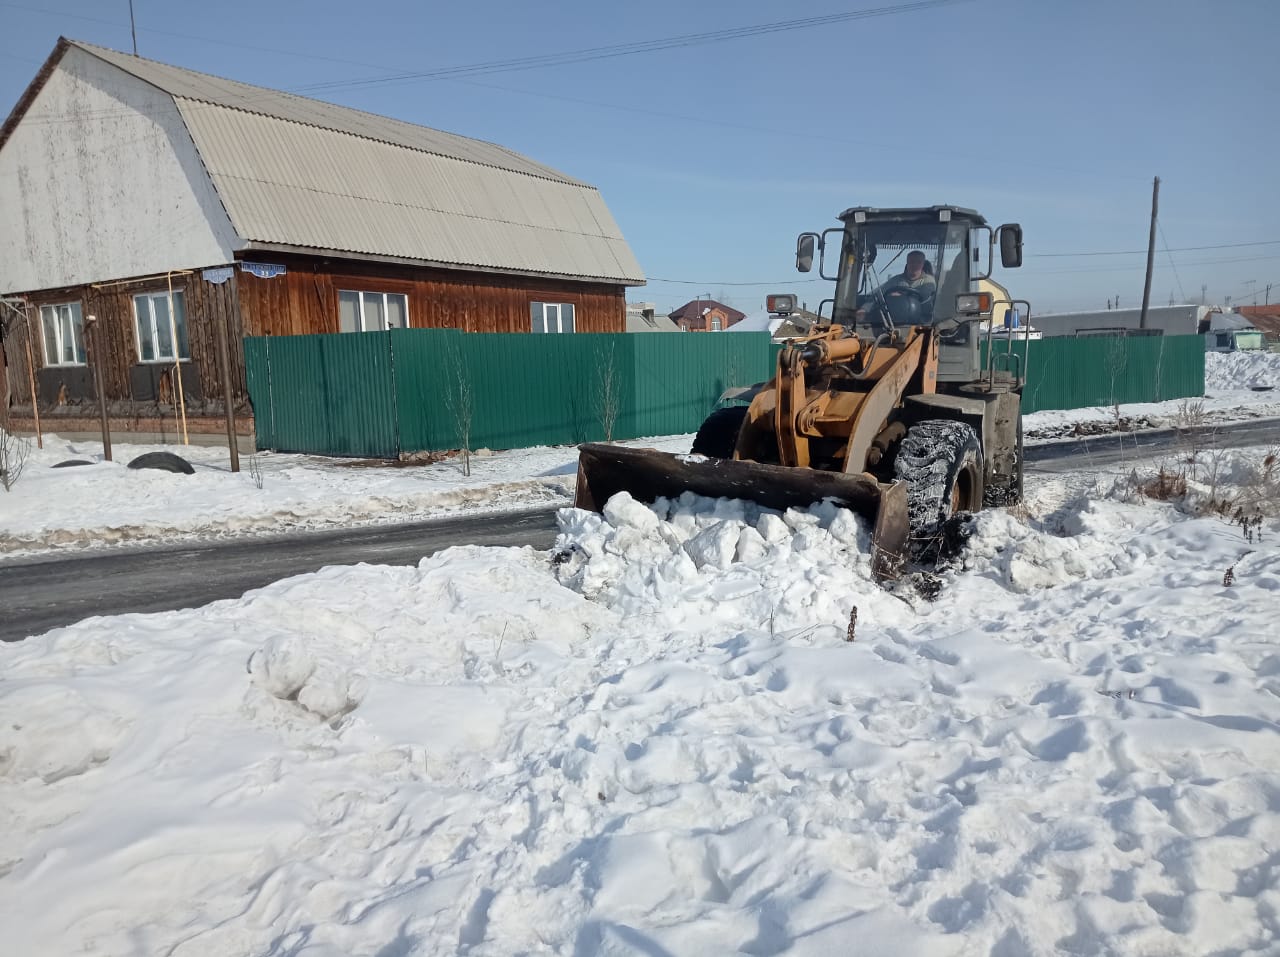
{"points": [[1010, 245], [806, 246]]}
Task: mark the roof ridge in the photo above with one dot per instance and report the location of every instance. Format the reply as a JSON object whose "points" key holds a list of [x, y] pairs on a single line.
{"points": [[114, 57]]}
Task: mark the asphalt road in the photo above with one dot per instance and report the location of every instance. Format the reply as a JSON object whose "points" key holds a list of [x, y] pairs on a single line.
{"points": [[48, 592], [45, 593]]}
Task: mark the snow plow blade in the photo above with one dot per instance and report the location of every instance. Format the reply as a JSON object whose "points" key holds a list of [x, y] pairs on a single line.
{"points": [[605, 470]]}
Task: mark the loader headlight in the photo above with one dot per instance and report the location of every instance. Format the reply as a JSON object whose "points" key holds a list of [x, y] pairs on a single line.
{"points": [[973, 304], [781, 304]]}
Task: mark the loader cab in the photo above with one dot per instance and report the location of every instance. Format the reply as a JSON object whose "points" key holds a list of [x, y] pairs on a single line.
{"points": [[899, 267], [895, 268]]}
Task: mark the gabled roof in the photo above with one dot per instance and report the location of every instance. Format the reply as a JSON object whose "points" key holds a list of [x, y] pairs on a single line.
{"points": [[695, 307], [299, 174], [1266, 318]]}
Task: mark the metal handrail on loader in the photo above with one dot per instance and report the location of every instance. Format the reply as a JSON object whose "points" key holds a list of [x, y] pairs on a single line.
{"points": [[1015, 364]]}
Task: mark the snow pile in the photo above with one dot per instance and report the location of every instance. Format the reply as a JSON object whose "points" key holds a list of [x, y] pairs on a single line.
{"points": [[1241, 370], [658, 739]]}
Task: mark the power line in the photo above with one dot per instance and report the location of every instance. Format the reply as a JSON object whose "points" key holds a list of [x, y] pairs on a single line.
{"points": [[585, 55], [1179, 249], [713, 282], [643, 46], [1182, 292], [1131, 268]]}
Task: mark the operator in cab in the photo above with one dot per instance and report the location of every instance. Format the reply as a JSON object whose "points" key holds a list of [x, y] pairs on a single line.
{"points": [[909, 295], [917, 275]]}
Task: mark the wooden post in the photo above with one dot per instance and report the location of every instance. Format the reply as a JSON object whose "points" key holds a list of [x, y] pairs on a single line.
{"points": [[31, 381], [228, 400], [177, 361], [91, 325], [1151, 253]]}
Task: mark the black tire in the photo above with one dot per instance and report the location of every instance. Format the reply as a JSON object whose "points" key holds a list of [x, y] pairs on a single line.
{"points": [[941, 462], [164, 461], [70, 462], [718, 434]]}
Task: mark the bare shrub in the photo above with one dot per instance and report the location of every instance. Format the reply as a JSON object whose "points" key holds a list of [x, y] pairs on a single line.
{"points": [[1164, 486], [607, 383], [459, 400], [13, 457], [255, 469]]}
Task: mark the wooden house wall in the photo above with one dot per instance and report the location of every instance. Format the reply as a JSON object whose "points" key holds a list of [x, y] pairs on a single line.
{"points": [[305, 299], [206, 306], [301, 301]]}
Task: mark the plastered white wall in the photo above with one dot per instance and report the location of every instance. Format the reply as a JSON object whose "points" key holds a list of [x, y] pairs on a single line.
{"points": [[101, 181]]}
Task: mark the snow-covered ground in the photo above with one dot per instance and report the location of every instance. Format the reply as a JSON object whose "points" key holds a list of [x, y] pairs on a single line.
{"points": [[658, 738]]}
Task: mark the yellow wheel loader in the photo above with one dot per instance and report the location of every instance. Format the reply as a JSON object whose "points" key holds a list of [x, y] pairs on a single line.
{"points": [[886, 407]]}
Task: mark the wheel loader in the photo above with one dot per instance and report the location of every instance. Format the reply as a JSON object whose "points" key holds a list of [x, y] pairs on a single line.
{"points": [[886, 406]]}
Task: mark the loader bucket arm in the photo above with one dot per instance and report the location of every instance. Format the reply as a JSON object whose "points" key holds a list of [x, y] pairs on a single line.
{"points": [[647, 475]]}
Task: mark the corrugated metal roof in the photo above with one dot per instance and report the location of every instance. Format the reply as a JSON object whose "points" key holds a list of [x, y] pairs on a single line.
{"points": [[298, 172]]}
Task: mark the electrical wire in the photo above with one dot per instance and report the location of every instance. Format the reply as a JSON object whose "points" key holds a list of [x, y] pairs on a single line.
{"points": [[1182, 292], [1179, 249]]}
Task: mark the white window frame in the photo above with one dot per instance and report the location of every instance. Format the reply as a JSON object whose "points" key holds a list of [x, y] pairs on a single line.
{"points": [[365, 323], [175, 328], [715, 324], [556, 311], [74, 318]]}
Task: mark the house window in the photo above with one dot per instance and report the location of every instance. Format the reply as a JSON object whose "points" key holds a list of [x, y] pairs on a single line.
{"points": [[372, 311], [715, 324], [157, 329], [63, 332], [552, 316]]}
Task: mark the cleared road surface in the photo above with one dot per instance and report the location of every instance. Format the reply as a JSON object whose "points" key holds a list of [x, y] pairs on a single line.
{"points": [[40, 594], [46, 593]]}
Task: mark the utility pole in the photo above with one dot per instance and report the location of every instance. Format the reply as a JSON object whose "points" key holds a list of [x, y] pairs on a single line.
{"points": [[1204, 294], [133, 29], [1151, 253], [1267, 301]]}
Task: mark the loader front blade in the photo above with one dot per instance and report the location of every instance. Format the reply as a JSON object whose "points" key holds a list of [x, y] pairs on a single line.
{"points": [[605, 470]]}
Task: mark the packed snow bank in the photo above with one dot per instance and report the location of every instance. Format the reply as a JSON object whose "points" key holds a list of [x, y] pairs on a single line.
{"points": [[658, 739], [1224, 371]]}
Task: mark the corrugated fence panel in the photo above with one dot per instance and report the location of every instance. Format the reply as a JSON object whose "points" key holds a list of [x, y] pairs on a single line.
{"points": [[330, 394], [258, 379], [679, 378], [1091, 371], [429, 367]]}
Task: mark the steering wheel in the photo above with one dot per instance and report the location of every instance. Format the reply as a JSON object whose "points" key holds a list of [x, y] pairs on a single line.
{"points": [[907, 291]]}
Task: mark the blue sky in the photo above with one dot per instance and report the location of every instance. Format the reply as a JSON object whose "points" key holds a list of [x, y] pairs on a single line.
{"points": [[714, 155]]}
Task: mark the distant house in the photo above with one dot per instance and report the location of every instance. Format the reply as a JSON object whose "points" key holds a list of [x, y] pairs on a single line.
{"points": [[642, 317], [780, 328], [173, 206], [1266, 319], [1184, 320], [705, 315]]}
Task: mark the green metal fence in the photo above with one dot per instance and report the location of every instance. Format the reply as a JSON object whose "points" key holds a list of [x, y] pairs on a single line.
{"points": [[1070, 373], [380, 394]]}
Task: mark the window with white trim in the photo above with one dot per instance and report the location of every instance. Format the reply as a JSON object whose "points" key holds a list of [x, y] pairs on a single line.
{"points": [[715, 324], [158, 330], [551, 316], [62, 328], [360, 311]]}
